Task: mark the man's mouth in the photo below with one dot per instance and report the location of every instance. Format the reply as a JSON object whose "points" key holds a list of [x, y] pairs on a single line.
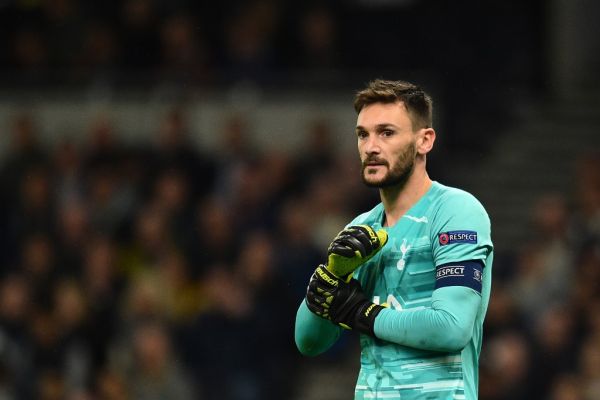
{"points": [[374, 164]]}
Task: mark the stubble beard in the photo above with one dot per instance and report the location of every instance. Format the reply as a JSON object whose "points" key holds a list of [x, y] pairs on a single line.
{"points": [[398, 175]]}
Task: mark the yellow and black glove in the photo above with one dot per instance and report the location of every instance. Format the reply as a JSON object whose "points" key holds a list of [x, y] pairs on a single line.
{"points": [[352, 247], [341, 302]]}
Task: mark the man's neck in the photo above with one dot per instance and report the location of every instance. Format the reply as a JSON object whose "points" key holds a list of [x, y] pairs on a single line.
{"points": [[397, 200]]}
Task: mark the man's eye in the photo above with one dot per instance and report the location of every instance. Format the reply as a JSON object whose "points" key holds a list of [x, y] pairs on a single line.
{"points": [[361, 134], [387, 132]]}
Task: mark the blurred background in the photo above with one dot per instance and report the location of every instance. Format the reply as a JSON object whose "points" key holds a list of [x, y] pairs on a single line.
{"points": [[171, 172]]}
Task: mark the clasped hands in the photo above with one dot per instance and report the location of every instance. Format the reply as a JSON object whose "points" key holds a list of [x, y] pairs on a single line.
{"points": [[332, 293]]}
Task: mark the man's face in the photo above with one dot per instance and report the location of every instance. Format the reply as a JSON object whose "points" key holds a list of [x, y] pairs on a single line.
{"points": [[386, 144]]}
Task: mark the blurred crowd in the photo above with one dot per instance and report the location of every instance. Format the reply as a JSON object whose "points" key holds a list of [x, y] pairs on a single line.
{"points": [[72, 41], [542, 331], [67, 42], [163, 270], [158, 270], [183, 48]]}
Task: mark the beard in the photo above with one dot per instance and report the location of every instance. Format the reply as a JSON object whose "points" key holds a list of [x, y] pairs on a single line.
{"points": [[398, 174]]}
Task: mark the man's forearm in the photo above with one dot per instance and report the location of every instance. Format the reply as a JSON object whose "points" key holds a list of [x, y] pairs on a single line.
{"points": [[313, 334], [447, 326]]}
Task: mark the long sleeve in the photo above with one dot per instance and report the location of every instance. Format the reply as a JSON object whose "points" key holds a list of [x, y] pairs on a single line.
{"points": [[446, 326], [313, 334]]}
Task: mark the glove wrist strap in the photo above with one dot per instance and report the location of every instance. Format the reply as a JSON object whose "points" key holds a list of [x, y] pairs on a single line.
{"points": [[365, 318]]}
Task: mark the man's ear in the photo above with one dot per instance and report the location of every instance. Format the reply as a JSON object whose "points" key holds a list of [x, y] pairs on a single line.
{"points": [[425, 140]]}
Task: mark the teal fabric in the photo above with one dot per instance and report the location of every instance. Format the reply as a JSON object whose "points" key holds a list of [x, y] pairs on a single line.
{"points": [[313, 334], [428, 341], [446, 326]]}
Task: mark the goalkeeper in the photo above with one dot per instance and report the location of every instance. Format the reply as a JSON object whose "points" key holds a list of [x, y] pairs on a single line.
{"points": [[413, 275]]}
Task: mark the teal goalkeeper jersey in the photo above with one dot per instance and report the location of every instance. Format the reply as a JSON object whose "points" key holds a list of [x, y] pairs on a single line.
{"points": [[425, 251]]}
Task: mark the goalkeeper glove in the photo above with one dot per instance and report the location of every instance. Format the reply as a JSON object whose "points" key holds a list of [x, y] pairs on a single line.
{"points": [[341, 302], [352, 247]]}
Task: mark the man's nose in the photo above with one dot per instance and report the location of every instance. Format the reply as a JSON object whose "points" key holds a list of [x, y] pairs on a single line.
{"points": [[372, 145]]}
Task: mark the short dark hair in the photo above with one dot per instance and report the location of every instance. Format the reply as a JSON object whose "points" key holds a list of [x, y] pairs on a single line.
{"points": [[418, 103]]}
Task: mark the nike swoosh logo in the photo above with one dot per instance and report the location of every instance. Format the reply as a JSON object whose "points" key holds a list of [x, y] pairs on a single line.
{"points": [[422, 219]]}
